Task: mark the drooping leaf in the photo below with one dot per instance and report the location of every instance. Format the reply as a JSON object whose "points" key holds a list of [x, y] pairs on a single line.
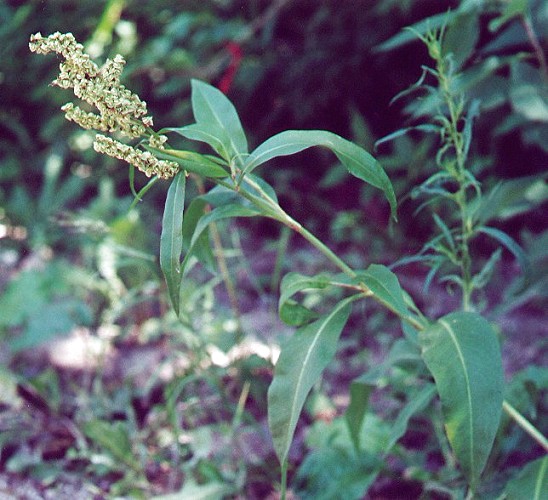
{"points": [[211, 107], [302, 360], [511, 9], [403, 131], [171, 238], [356, 160], [509, 243], [227, 211], [462, 352], [511, 197]]}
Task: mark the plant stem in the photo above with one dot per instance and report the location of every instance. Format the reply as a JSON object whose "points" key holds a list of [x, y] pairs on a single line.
{"points": [[455, 141], [286, 219], [283, 486], [527, 426]]}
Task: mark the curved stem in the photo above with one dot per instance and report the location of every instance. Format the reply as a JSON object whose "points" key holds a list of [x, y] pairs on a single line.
{"points": [[274, 210]]}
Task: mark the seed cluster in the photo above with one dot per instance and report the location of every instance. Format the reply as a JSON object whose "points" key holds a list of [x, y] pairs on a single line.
{"points": [[119, 110], [145, 161]]}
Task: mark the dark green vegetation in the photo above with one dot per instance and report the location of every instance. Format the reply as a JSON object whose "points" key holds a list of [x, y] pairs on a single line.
{"points": [[108, 392]]}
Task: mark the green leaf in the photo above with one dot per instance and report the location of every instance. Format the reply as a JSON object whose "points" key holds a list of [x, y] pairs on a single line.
{"points": [[511, 9], [191, 162], [511, 197], [385, 286], [509, 243], [461, 36], [191, 489], [531, 482], [355, 413], [331, 472], [223, 212], [113, 437], [171, 239], [212, 108], [49, 321], [301, 363], [211, 134], [290, 311], [403, 131], [356, 160], [410, 34], [462, 352]]}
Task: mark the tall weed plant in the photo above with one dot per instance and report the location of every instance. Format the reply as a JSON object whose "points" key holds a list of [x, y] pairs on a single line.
{"points": [[455, 359]]}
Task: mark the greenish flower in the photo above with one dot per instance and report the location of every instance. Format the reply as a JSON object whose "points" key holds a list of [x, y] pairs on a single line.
{"points": [[119, 110]]}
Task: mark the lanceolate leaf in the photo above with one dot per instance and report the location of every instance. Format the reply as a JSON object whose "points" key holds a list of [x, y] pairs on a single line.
{"points": [[171, 239], [211, 134], [461, 351], [385, 286], [212, 108], [357, 161], [301, 362]]}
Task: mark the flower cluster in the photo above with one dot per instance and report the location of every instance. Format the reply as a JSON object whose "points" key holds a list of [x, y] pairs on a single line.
{"points": [[119, 109], [144, 160]]}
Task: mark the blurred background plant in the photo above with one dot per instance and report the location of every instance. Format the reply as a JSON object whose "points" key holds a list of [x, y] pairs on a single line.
{"points": [[78, 261]]}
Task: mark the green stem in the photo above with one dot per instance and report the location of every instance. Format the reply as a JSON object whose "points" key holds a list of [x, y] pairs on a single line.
{"points": [[527, 426], [283, 486], [316, 243], [455, 140], [286, 219], [274, 210]]}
